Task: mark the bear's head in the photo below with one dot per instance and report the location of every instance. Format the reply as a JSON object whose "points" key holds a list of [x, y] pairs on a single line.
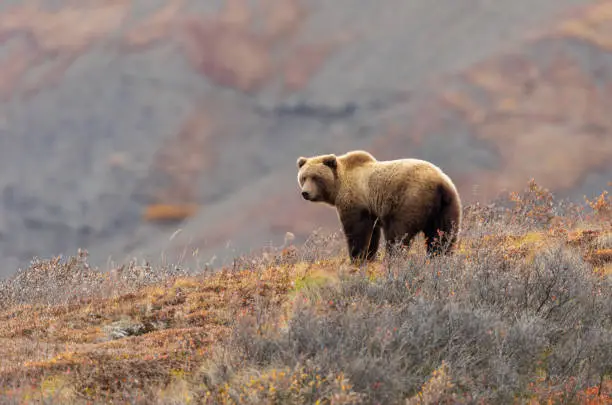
{"points": [[318, 178]]}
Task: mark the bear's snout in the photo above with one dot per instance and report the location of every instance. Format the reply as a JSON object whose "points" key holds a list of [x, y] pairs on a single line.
{"points": [[306, 195]]}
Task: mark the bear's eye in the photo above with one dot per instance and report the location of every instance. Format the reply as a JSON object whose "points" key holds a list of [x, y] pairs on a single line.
{"points": [[315, 178]]}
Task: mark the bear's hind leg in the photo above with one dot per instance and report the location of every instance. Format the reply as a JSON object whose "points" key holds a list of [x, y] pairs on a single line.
{"points": [[436, 242], [374, 242], [441, 229], [396, 236], [362, 233]]}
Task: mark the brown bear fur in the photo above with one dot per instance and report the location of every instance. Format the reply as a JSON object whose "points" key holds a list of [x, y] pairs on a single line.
{"points": [[402, 197]]}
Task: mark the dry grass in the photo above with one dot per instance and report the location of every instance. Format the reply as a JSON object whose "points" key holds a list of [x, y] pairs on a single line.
{"points": [[521, 314]]}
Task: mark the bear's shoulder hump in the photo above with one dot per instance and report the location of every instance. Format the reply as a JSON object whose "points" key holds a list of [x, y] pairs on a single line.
{"points": [[356, 158]]}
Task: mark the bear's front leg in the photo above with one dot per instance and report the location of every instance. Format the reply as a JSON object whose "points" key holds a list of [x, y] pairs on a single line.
{"points": [[362, 233]]}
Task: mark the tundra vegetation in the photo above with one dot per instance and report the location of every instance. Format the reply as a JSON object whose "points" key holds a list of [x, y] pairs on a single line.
{"points": [[522, 313]]}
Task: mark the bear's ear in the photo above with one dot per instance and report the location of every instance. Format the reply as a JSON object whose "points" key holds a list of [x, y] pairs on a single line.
{"points": [[301, 161], [331, 162]]}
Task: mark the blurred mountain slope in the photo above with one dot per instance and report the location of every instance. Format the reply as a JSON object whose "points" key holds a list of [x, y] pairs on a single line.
{"points": [[118, 114]]}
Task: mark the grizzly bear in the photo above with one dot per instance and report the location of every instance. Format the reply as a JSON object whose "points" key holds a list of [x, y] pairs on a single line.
{"points": [[402, 197]]}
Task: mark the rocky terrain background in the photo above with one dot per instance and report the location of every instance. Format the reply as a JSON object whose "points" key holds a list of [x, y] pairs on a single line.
{"points": [[169, 130]]}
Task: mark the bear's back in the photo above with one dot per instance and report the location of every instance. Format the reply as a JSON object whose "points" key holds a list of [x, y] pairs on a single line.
{"points": [[408, 168], [395, 180]]}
